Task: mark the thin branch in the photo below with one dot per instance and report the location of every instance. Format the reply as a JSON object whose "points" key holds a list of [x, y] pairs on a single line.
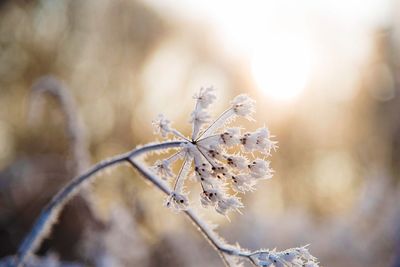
{"points": [[178, 134], [215, 241], [50, 213], [194, 133], [206, 158], [223, 117], [183, 172]]}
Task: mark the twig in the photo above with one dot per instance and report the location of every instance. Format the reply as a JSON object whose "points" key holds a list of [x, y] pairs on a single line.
{"points": [[221, 247], [50, 212], [242, 106]]}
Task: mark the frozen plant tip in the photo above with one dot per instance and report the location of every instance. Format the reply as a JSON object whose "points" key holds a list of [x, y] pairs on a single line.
{"points": [[208, 150], [296, 257]]}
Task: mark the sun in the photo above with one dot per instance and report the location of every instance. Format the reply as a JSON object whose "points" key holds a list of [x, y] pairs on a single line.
{"points": [[274, 37], [281, 66]]}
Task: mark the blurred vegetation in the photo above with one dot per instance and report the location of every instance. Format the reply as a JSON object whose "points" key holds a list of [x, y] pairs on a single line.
{"points": [[337, 166]]}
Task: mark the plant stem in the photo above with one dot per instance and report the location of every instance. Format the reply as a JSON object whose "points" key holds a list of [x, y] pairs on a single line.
{"points": [[215, 241], [50, 212]]}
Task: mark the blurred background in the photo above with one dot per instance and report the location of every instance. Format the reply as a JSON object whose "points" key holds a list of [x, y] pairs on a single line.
{"points": [[326, 78]]}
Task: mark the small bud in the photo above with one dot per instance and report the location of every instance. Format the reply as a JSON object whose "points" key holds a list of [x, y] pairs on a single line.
{"points": [[210, 197], [237, 161], [289, 256], [258, 141], [311, 264], [229, 203], [243, 183], [203, 173], [260, 169], [230, 137], [161, 125], [177, 201], [243, 106], [205, 97], [162, 168]]}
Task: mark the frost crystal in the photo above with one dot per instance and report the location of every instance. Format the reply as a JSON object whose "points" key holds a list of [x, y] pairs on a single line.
{"points": [[258, 141], [216, 169], [297, 257], [243, 105], [162, 169], [177, 201], [161, 125], [205, 97]]}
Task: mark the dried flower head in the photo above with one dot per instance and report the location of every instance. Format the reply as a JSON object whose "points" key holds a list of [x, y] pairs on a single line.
{"points": [[208, 150]]}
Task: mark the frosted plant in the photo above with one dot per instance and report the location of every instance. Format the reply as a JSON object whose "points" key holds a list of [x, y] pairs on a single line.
{"points": [[208, 150], [217, 169], [300, 257]]}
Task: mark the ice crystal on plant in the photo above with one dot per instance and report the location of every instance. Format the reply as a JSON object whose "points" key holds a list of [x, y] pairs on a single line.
{"points": [[208, 150], [243, 105], [296, 257], [161, 125], [205, 97], [177, 201], [163, 169]]}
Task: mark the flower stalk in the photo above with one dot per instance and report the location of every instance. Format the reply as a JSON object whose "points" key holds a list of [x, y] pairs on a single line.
{"points": [[215, 168], [49, 214]]}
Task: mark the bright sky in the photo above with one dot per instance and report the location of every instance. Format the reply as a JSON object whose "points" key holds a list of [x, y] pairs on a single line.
{"points": [[288, 42]]}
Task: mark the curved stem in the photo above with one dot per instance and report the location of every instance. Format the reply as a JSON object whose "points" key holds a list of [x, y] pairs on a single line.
{"points": [[50, 212], [215, 241]]}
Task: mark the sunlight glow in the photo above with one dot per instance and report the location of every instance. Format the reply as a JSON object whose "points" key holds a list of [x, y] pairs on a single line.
{"points": [[274, 38], [282, 66]]}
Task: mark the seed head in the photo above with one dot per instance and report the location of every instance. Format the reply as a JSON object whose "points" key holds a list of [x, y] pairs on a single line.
{"points": [[214, 167]]}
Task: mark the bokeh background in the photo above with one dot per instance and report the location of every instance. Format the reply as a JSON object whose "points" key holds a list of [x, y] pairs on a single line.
{"points": [[325, 75]]}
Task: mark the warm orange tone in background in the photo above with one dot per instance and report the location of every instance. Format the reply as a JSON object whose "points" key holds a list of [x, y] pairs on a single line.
{"points": [[325, 75]]}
